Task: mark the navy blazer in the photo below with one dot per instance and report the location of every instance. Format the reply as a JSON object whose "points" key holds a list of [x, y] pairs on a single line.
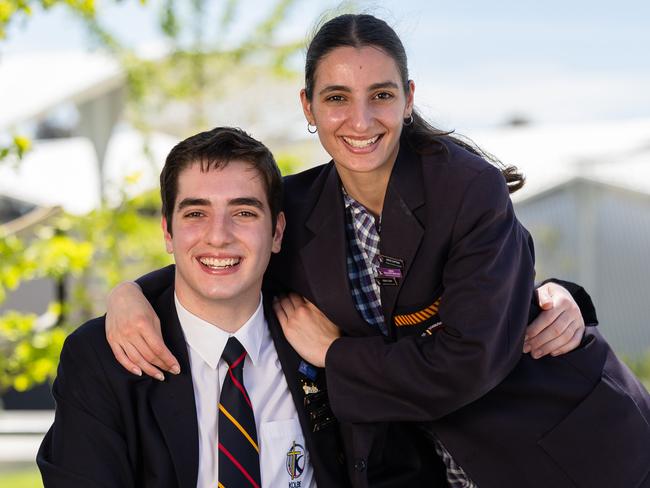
{"points": [[114, 429], [452, 361]]}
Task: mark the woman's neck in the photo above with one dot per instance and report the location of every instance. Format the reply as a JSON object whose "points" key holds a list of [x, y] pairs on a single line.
{"points": [[369, 189]]}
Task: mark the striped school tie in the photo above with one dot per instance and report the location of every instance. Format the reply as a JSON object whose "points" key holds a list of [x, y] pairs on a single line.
{"points": [[239, 458]]}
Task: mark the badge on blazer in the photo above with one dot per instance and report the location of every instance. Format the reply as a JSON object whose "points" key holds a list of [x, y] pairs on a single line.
{"points": [[295, 464], [316, 402], [308, 378], [309, 388], [307, 370], [389, 271]]}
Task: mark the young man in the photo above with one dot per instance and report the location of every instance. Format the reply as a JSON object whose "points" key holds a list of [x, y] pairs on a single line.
{"points": [[244, 411]]}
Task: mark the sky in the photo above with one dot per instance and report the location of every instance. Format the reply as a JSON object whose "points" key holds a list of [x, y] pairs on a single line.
{"points": [[475, 63]]}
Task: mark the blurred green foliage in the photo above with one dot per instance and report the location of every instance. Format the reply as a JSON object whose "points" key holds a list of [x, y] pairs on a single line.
{"points": [[85, 256], [90, 254], [21, 478], [14, 10], [18, 146]]}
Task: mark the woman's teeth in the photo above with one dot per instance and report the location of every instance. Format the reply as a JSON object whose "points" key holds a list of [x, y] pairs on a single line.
{"points": [[360, 143]]}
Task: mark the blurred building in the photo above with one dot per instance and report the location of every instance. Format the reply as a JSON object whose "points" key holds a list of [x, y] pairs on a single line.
{"points": [[587, 204]]}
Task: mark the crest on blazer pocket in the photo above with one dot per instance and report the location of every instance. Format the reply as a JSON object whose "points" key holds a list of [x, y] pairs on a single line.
{"points": [[418, 320]]}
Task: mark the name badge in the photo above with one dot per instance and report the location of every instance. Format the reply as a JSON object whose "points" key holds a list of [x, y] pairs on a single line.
{"points": [[389, 272], [383, 281], [390, 262]]}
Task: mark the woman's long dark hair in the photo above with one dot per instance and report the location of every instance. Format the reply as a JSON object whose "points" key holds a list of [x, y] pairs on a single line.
{"points": [[359, 30]]}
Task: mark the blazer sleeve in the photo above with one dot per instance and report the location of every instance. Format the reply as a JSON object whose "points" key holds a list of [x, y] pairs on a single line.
{"points": [[488, 284], [155, 283], [84, 446]]}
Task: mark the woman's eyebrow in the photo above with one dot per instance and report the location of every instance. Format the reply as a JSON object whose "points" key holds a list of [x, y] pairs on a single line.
{"points": [[374, 86], [331, 88], [383, 84]]}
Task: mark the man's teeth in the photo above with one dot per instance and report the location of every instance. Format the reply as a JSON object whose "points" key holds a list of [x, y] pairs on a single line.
{"points": [[360, 143], [219, 263]]}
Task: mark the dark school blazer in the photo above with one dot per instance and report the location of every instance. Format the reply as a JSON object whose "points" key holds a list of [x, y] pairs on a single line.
{"points": [[114, 429], [452, 361]]}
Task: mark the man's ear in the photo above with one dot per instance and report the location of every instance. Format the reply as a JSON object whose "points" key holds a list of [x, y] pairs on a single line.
{"points": [[169, 246], [280, 224], [306, 107]]}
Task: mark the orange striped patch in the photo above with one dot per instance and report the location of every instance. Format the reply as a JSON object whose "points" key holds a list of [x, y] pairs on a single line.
{"points": [[417, 317]]}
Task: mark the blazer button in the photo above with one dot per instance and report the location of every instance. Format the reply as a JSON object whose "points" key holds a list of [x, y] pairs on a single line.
{"points": [[360, 464]]}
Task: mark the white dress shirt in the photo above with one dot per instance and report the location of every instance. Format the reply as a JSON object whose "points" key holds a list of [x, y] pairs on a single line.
{"points": [[279, 435]]}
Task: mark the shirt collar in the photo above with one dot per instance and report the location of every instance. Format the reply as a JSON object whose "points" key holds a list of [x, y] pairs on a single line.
{"points": [[209, 341], [358, 212], [349, 201]]}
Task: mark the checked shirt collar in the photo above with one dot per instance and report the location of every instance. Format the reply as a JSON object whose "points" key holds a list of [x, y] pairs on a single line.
{"points": [[362, 232]]}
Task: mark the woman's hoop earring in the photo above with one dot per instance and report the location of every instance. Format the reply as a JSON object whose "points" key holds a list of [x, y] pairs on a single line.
{"points": [[409, 120], [309, 129]]}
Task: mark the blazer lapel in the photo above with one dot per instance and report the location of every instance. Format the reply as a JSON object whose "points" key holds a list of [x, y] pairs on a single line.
{"points": [[317, 421], [172, 401], [289, 360], [401, 231], [324, 256]]}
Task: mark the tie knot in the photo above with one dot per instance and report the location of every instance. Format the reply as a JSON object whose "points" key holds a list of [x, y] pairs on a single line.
{"points": [[234, 352]]}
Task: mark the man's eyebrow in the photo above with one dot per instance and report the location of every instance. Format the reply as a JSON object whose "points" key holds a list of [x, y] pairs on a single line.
{"points": [[193, 202], [246, 201]]}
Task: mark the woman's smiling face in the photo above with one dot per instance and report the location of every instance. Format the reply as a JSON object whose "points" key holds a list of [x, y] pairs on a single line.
{"points": [[359, 104]]}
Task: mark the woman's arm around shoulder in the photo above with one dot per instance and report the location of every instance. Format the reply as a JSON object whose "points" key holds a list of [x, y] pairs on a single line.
{"points": [[133, 328]]}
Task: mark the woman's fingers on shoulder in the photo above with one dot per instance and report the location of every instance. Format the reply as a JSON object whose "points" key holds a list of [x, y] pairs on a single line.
{"points": [[575, 341], [544, 297], [124, 360], [568, 305], [280, 313], [542, 322], [147, 368], [548, 326], [157, 353], [296, 300], [567, 341]]}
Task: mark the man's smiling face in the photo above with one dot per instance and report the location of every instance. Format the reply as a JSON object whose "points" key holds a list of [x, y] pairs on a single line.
{"points": [[221, 236]]}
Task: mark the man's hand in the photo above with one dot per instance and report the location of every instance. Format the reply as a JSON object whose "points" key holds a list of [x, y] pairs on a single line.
{"points": [[133, 332], [559, 327], [306, 328]]}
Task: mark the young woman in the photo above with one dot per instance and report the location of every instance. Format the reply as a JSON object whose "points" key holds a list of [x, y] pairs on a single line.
{"points": [[406, 244]]}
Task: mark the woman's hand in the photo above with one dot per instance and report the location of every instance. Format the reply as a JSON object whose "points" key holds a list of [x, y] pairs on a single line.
{"points": [[306, 328], [559, 328], [133, 332]]}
